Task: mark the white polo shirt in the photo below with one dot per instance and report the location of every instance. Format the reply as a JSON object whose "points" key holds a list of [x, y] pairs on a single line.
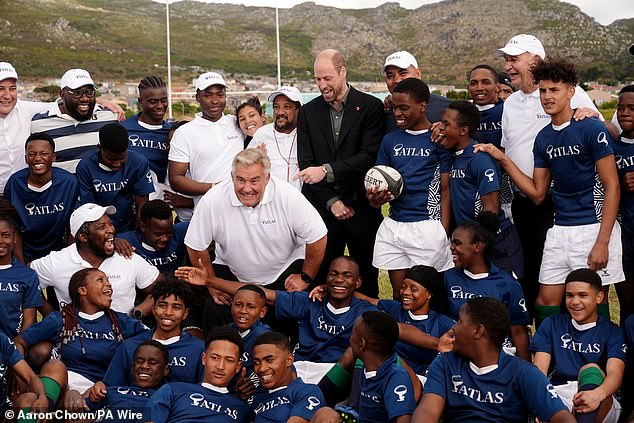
{"points": [[124, 274], [15, 128], [282, 150], [256, 243], [209, 148], [522, 119]]}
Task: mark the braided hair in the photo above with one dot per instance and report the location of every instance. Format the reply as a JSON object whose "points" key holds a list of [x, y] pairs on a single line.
{"points": [[70, 328], [151, 82]]}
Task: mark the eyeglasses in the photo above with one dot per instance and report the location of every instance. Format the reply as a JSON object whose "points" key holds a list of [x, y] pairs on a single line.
{"points": [[79, 93], [285, 107]]}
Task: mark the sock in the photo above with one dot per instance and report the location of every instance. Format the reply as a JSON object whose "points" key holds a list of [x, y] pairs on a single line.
{"points": [[52, 389], [544, 311], [604, 310], [25, 420], [355, 389], [589, 379], [335, 385]]}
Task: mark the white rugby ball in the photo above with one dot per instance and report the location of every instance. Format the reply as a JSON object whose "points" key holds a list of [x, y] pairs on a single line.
{"points": [[386, 178]]}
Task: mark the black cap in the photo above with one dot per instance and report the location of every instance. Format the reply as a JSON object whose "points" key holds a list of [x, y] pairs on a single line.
{"points": [[505, 79]]}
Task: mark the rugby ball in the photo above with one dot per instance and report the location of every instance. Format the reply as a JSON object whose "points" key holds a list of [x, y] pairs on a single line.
{"points": [[386, 178]]}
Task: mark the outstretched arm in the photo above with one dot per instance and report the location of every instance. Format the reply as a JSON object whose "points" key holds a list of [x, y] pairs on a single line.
{"points": [[200, 276]]}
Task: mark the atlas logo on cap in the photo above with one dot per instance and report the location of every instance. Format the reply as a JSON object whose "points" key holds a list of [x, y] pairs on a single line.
{"points": [[7, 71], [291, 93], [208, 79], [75, 78], [400, 59], [522, 43]]}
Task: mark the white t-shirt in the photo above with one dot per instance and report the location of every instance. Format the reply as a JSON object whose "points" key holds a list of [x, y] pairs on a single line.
{"points": [[15, 128], [522, 119], [282, 150], [209, 148], [124, 274], [256, 243]]}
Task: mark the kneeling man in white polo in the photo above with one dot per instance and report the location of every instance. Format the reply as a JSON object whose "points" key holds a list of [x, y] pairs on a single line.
{"points": [[265, 231]]}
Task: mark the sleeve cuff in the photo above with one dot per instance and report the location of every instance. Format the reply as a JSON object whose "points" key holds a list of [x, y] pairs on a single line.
{"points": [[331, 202]]}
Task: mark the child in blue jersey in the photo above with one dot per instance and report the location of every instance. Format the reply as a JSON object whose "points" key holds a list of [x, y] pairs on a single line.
{"points": [[586, 350], [324, 327], [475, 276], [478, 381], [171, 299], [113, 176], [209, 401], [387, 393], [43, 196], [20, 294], [248, 306], [412, 233], [624, 155], [147, 131], [86, 331], [125, 403], [158, 240], [285, 398], [474, 183], [576, 156]]}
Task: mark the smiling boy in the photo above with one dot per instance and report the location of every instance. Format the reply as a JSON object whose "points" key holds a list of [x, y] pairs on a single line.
{"points": [[415, 231], [584, 348], [286, 397]]}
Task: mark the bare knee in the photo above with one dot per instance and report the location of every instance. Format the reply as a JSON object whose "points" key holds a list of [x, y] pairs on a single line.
{"points": [[57, 371], [325, 415], [39, 354]]}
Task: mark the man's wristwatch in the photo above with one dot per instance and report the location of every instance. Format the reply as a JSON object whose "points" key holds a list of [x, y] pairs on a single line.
{"points": [[306, 277], [324, 169]]}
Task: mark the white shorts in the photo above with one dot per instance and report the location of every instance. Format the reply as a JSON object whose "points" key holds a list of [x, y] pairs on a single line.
{"points": [[567, 248], [78, 382], [401, 245], [311, 372], [567, 391]]}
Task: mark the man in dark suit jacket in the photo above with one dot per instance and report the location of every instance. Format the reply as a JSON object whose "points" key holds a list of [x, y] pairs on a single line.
{"points": [[339, 134]]}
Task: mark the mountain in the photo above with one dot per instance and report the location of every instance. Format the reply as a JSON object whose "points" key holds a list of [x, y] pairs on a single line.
{"points": [[125, 39]]}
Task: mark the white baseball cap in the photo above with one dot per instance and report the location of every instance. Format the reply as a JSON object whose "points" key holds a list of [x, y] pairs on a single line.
{"points": [[400, 59], [7, 71], [292, 93], [208, 79], [522, 43], [75, 78], [88, 212]]}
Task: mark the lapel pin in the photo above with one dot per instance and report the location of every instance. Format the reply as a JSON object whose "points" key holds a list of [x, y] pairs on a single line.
{"points": [[358, 108]]}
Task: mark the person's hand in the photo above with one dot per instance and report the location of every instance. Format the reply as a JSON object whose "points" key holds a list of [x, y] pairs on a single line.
{"points": [[311, 175], [177, 200], [114, 108], [245, 388], [377, 198], [74, 402], [445, 342], [585, 112], [341, 211], [294, 283], [193, 275], [318, 293], [347, 359], [123, 247], [387, 102], [262, 147], [436, 136], [97, 392], [628, 181], [220, 297], [493, 151], [40, 405], [587, 401], [598, 257]]}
